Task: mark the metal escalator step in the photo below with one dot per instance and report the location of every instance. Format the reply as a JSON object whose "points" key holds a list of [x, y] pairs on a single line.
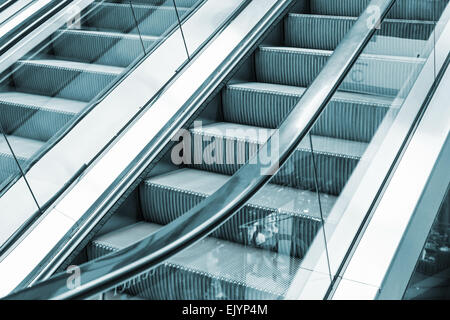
{"points": [[107, 48], [350, 116], [225, 147], [152, 20], [372, 73], [34, 116], [403, 9], [63, 79], [169, 3], [325, 32], [23, 149], [294, 213], [211, 269]]}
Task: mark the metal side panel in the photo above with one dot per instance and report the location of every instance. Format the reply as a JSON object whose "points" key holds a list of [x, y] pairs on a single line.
{"points": [[88, 137], [136, 90]]}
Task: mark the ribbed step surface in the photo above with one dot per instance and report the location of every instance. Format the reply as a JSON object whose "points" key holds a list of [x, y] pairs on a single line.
{"points": [[212, 269], [107, 48], [23, 150], [299, 67], [225, 147], [295, 213], [35, 116], [64, 79], [168, 3], [325, 32], [61, 76], [121, 17], [403, 9], [350, 116], [256, 253]]}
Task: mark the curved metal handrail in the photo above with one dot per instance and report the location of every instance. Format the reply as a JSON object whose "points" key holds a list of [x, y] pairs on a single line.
{"points": [[105, 272]]}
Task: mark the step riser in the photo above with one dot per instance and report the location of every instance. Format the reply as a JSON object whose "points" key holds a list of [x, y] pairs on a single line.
{"points": [[113, 51], [167, 3], [59, 82], [32, 123], [371, 74], [403, 9], [151, 21], [299, 231], [326, 33], [169, 282], [341, 119], [226, 156]]}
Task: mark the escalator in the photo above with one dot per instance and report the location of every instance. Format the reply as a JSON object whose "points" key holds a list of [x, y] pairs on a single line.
{"points": [[257, 253], [58, 79], [249, 111]]}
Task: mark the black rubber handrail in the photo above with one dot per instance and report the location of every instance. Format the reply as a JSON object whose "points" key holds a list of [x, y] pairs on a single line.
{"points": [[105, 272]]}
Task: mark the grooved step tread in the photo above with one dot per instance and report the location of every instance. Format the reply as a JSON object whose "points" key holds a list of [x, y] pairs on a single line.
{"points": [[73, 65], [321, 144], [219, 259], [327, 53], [85, 31], [42, 102], [23, 148], [335, 17], [287, 199], [298, 91]]}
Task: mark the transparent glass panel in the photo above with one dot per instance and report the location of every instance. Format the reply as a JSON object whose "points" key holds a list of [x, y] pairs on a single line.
{"points": [[63, 77], [11, 219], [277, 245], [431, 278]]}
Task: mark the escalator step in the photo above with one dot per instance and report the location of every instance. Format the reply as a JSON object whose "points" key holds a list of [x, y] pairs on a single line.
{"points": [[350, 116], [109, 48], [168, 3], [34, 116], [225, 147], [325, 32], [152, 20], [293, 213], [63, 79], [211, 269], [403, 9], [372, 74]]}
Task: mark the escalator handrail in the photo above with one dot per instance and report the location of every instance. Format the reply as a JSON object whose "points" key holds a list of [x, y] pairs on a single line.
{"points": [[108, 271], [6, 4]]}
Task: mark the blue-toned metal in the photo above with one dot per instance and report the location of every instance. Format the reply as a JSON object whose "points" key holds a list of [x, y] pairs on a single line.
{"points": [[105, 272]]}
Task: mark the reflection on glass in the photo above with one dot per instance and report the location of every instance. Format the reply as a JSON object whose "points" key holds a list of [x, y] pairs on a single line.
{"points": [[9, 161], [11, 218], [378, 83], [278, 236], [64, 75], [431, 278]]}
